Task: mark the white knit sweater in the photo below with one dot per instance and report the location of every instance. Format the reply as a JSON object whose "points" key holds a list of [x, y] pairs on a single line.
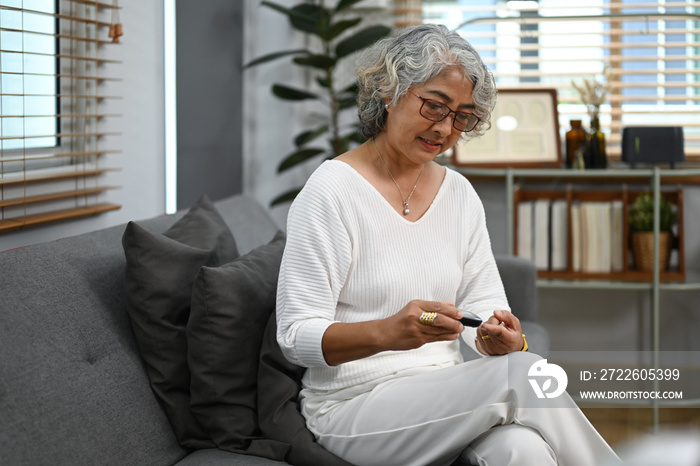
{"points": [[351, 257]]}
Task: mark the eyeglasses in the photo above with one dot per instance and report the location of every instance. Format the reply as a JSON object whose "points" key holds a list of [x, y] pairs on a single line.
{"points": [[435, 111]]}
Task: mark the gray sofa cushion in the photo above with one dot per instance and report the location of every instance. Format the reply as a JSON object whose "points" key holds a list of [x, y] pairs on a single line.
{"points": [[248, 220], [279, 384], [72, 385], [160, 271], [230, 307], [215, 457]]}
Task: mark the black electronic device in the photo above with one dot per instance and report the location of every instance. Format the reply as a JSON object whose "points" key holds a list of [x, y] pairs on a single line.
{"points": [[469, 319], [652, 144]]}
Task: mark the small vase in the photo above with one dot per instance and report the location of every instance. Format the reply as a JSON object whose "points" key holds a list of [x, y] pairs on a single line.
{"points": [[595, 148], [576, 139], [643, 250]]}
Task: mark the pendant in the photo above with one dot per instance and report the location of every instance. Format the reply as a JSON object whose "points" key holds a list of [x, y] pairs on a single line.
{"points": [[406, 210]]}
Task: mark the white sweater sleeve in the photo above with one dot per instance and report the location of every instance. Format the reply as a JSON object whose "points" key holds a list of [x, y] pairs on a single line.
{"points": [[314, 267], [481, 291]]}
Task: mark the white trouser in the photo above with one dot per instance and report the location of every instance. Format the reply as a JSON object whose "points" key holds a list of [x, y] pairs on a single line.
{"points": [[484, 410]]}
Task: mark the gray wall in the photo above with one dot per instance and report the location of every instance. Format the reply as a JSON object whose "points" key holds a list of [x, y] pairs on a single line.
{"points": [[209, 99]]}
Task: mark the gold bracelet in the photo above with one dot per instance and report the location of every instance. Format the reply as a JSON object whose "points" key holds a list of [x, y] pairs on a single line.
{"points": [[524, 343]]}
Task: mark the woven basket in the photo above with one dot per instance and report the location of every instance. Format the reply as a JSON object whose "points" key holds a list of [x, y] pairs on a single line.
{"points": [[643, 250]]}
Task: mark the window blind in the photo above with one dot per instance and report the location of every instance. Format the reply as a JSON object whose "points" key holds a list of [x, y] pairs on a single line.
{"points": [[53, 56], [407, 13], [649, 50]]}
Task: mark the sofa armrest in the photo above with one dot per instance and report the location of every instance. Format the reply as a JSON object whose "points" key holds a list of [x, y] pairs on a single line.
{"points": [[519, 278]]}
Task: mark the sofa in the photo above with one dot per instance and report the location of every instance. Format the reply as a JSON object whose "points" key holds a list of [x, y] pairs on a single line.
{"points": [[76, 386]]}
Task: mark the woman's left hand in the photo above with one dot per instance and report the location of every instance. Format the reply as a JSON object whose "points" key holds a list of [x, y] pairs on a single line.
{"points": [[501, 334]]}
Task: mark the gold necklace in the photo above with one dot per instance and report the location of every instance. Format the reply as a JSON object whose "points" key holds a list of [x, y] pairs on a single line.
{"points": [[406, 210]]}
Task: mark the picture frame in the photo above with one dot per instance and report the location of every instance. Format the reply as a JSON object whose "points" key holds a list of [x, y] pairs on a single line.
{"points": [[524, 133]]}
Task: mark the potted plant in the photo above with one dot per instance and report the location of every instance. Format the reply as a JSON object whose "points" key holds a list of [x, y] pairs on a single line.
{"points": [[641, 223], [334, 36]]}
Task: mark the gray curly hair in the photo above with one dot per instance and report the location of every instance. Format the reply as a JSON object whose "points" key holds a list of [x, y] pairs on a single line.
{"points": [[413, 57]]}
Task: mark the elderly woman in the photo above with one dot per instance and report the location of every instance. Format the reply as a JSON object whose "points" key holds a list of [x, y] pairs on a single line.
{"points": [[385, 248]]}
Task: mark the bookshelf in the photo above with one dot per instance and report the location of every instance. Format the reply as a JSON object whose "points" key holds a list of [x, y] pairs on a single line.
{"points": [[604, 185], [518, 184], [581, 241]]}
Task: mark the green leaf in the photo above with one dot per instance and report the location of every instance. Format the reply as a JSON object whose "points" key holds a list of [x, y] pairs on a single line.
{"points": [[351, 89], [292, 14], [340, 145], [347, 103], [322, 62], [641, 214], [274, 56], [297, 157], [362, 39], [323, 82], [348, 97], [289, 93], [285, 197], [344, 4], [356, 137], [313, 19], [340, 27], [308, 136]]}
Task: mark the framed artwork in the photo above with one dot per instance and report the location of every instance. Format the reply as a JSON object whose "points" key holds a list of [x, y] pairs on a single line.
{"points": [[524, 133]]}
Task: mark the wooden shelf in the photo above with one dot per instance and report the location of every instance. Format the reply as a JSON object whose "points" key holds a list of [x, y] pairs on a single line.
{"points": [[685, 174], [630, 275], [626, 197]]}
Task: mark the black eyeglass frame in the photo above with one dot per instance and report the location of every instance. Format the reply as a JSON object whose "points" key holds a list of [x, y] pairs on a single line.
{"points": [[454, 119]]}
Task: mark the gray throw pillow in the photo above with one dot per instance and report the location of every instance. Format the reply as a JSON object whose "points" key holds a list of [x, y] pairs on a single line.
{"points": [[279, 384], [160, 271], [230, 308]]}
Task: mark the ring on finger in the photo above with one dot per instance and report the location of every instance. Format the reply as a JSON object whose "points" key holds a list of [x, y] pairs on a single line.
{"points": [[427, 318], [485, 337]]}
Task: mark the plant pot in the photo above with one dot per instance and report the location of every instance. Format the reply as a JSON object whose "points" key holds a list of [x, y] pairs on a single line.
{"points": [[643, 250]]}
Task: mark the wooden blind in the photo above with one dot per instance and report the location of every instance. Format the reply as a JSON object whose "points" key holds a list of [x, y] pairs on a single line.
{"points": [[53, 57], [650, 51], [407, 13]]}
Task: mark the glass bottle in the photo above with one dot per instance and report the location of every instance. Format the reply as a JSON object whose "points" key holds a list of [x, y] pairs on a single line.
{"points": [[576, 139], [595, 149]]}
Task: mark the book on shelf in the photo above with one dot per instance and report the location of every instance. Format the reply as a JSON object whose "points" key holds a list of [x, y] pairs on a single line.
{"points": [[525, 230], [617, 237], [595, 234], [558, 236], [605, 234], [587, 237], [541, 233], [576, 238]]}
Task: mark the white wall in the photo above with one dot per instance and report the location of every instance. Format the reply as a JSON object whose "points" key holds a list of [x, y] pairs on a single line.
{"points": [[141, 161]]}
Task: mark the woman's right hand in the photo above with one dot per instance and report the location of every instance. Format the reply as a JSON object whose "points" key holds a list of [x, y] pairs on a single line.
{"points": [[343, 342], [404, 331]]}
